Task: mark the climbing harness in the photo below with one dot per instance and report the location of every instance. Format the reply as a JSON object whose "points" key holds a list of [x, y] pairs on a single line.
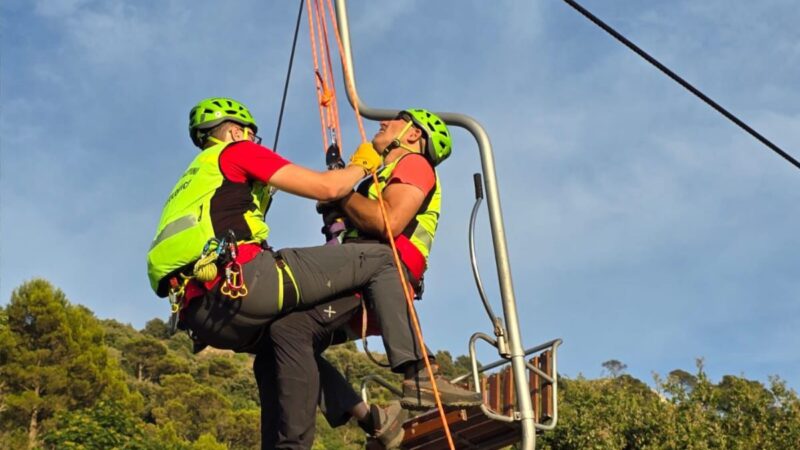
{"points": [[216, 254]]}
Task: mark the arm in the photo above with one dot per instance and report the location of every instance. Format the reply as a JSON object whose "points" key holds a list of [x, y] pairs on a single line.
{"points": [[402, 203], [244, 161], [325, 186]]}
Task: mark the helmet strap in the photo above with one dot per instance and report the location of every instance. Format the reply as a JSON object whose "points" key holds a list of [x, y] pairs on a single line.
{"points": [[397, 143], [215, 140]]}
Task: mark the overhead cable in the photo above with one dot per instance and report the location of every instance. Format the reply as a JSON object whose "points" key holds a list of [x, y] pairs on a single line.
{"points": [[288, 77], [608, 29]]}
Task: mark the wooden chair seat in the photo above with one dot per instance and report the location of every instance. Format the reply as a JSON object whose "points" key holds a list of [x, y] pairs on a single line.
{"points": [[471, 428]]}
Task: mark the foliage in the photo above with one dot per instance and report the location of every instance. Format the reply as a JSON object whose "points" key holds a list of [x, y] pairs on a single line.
{"points": [[103, 426], [450, 368], [614, 367], [54, 359], [142, 354], [156, 328], [68, 380], [687, 411]]}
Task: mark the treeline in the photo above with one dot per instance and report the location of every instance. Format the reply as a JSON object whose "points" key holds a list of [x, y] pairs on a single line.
{"points": [[69, 380]]}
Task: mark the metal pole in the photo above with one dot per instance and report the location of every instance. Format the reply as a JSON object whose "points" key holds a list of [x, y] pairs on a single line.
{"points": [[495, 220]]}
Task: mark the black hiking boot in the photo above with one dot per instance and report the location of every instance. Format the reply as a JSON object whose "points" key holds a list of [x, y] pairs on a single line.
{"points": [[418, 394], [388, 426], [390, 432]]}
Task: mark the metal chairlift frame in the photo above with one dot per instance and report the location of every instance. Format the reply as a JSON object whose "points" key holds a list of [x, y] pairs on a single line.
{"points": [[509, 340]]}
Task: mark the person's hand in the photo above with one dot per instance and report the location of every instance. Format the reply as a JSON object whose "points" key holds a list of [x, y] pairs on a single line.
{"points": [[330, 211], [366, 157]]}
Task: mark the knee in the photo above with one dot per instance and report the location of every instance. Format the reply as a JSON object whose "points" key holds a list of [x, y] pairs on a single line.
{"points": [[289, 330], [383, 253]]}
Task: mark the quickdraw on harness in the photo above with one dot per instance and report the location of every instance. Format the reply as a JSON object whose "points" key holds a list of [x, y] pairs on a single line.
{"points": [[222, 253], [176, 292], [216, 253]]}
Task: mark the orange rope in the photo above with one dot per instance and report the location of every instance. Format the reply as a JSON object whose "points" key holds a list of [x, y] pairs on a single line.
{"points": [[318, 81], [329, 67], [323, 71], [409, 300]]}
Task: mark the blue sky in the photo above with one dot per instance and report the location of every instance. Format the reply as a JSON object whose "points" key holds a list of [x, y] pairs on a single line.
{"points": [[642, 226]]}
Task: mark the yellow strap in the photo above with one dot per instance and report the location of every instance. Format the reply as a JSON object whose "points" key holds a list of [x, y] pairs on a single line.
{"points": [[294, 282], [215, 140], [400, 136], [280, 288], [405, 129]]}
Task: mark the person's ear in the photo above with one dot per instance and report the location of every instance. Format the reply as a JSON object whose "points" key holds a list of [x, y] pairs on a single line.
{"points": [[413, 135], [236, 133]]}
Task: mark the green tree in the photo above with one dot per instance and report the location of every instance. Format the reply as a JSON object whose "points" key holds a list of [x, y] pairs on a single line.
{"points": [[614, 367], [142, 355], [116, 334], [170, 364], [222, 367], [682, 380], [193, 408], [103, 426], [157, 328], [241, 429], [610, 413], [207, 441], [54, 359], [181, 344]]}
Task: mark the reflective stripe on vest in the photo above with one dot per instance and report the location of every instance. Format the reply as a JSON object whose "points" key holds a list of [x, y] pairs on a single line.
{"points": [[420, 231], [186, 221]]}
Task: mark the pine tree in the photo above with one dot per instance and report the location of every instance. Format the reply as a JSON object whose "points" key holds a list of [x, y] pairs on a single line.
{"points": [[53, 359]]}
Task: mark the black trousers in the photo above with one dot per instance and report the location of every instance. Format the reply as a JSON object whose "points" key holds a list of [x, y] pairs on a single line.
{"points": [[293, 377]]}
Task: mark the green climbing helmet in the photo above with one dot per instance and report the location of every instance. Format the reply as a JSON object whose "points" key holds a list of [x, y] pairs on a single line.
{"points": [[439, 145], [213, 111]]}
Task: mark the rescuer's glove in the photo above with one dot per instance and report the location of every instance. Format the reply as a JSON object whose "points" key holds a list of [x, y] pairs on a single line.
{"points": [[366, 157]]}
